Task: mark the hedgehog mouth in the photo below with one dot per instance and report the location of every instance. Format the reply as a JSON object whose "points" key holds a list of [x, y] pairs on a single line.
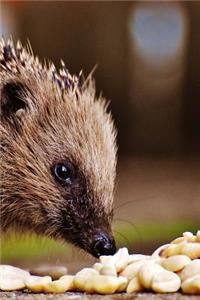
{"points": [[100, 244], [103, 244], [97, 242]]}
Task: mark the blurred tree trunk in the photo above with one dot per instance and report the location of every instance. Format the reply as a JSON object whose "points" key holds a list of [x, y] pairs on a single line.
{"points": [[192, 84]]}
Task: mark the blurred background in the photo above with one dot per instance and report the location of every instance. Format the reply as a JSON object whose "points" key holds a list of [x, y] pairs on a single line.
{"points": [[148, 62]]}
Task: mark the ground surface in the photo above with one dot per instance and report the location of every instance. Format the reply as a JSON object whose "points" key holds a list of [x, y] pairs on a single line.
{"points": [[77, 296]]}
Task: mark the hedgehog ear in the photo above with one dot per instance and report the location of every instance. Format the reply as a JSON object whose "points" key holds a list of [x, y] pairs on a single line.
{"points": [[12, 103]]}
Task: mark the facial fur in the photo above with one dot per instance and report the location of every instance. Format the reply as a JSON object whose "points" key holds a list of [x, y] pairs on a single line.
{"points": [[49, 118]]}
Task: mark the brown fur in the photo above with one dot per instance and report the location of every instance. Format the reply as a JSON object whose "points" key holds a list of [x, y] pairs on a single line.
{"points": [[58, 121]]}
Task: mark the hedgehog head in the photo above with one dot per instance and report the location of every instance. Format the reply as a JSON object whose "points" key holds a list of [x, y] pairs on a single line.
{"points": [[58, 152]]}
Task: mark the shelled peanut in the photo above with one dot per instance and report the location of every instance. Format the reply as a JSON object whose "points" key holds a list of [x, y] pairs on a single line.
{"points": [[171, 267]]}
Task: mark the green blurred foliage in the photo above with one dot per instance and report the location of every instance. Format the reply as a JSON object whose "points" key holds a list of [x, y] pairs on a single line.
{"points": [[15, 247], [148, 232]]}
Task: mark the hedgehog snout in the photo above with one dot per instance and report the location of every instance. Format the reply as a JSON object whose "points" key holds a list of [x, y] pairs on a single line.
{"points": [[103, 245]]}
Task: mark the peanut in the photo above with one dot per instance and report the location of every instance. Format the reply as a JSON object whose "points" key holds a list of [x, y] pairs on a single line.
{"points": [[190, 270], [119, 259], [134, 286], [97, 266], [37, 284], [159, 251], [122, 258], [136, 257], [192, 250], [165, 282], [175, 263], [9, 271], [198, 236], [191, 285], [189, 236], [64, 284], [12, 278], [108, 269], [132, 270], [11, 284], [178, 240], [82, 277], [102, 284], [122, 284], [173, 249], [147, 272]]}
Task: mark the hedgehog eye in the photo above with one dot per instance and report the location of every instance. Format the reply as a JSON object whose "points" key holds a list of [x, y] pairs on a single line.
{"points": [[64, 173]]}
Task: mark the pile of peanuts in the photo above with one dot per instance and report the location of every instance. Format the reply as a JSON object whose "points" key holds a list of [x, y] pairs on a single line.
{"points": [[172, 267]]}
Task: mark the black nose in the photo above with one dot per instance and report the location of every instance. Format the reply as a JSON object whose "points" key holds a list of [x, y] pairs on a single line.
{"points": [[103, 245]]}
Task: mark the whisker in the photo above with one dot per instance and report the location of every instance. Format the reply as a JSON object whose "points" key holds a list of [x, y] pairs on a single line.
{"points": [[123, 236], [132, 201], [135, 228], [115, 187]]}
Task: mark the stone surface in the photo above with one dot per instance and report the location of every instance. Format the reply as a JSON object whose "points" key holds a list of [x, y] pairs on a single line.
{"points": [[82, 296]]}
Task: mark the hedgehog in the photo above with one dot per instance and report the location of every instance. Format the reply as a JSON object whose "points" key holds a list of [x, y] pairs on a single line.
{"points": [[58, 152]]}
